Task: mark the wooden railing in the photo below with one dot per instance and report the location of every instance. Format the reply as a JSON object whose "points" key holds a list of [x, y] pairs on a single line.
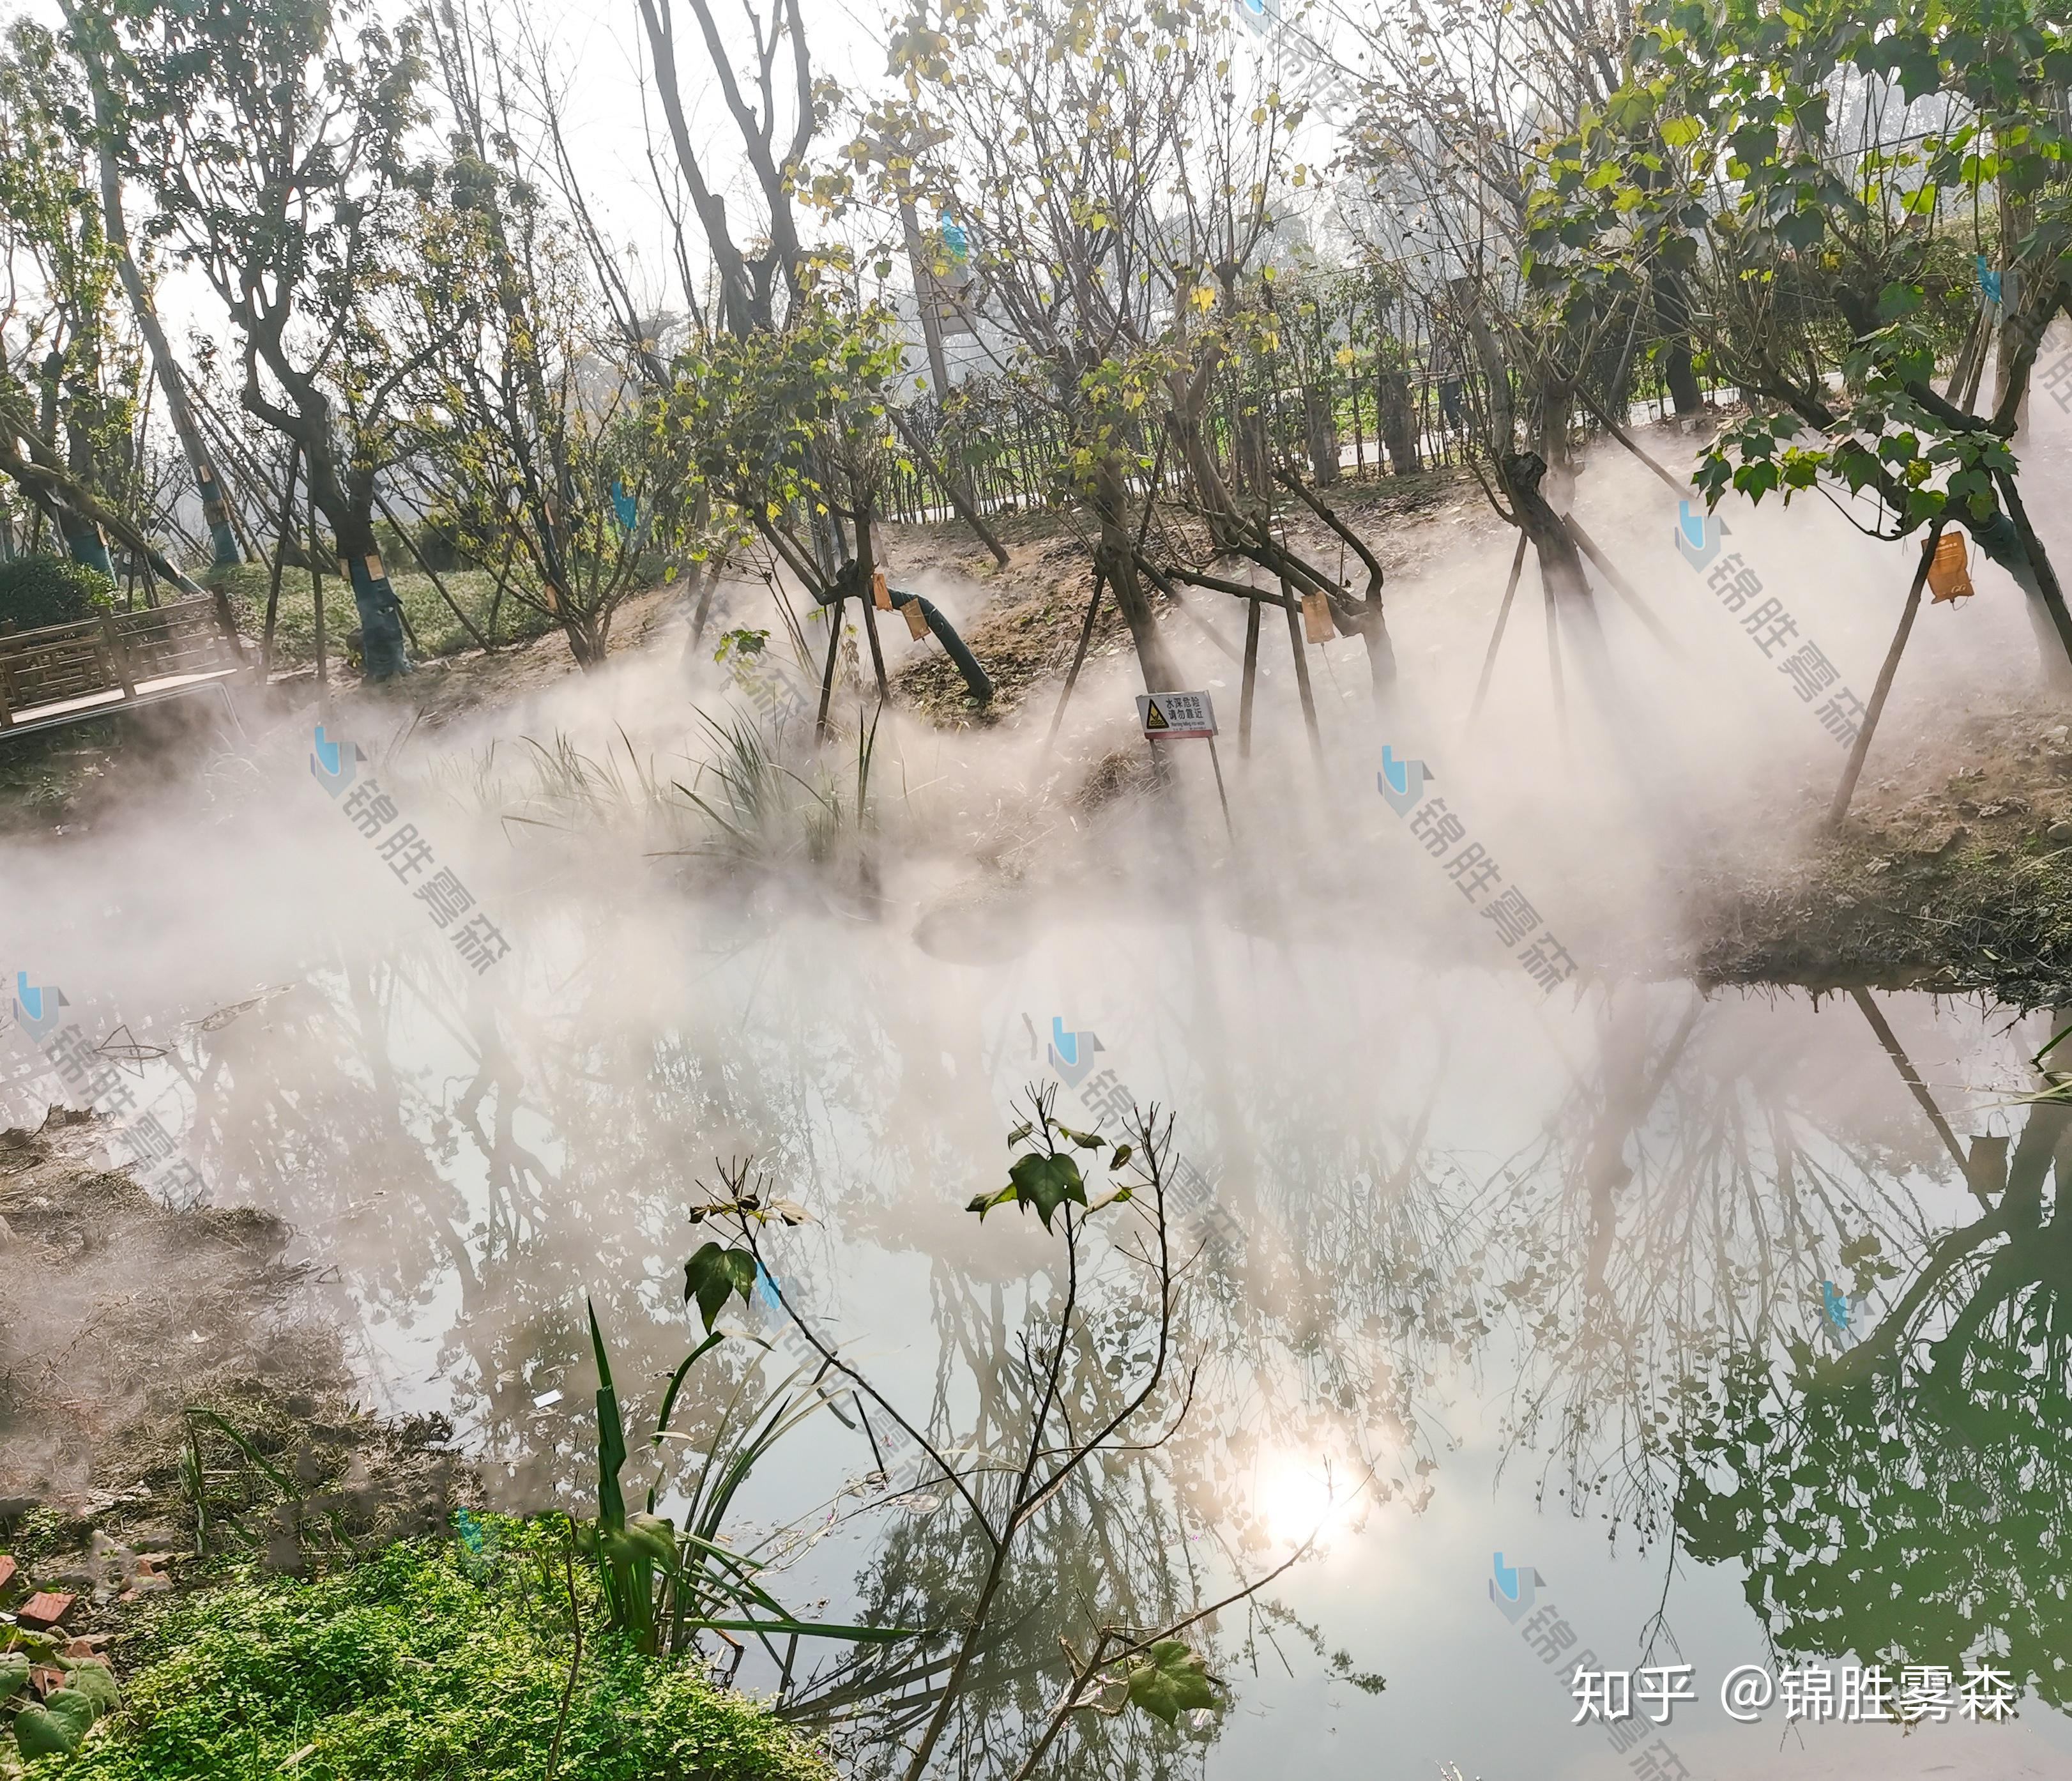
{"points": [[64, 671]]}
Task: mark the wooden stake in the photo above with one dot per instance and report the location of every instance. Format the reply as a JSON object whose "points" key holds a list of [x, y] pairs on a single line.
{"points": [[417, 556], [1251, 680], [966, 510], [876, 649], [1622, 586], [834, 613], [1222, 797], [1681, 490], [280, 559], [1172, 592], [1079, 655], [1288, 605], [1847, 789], [316, 599], [1915, 1086], [1554, 664], [1496, 636]]}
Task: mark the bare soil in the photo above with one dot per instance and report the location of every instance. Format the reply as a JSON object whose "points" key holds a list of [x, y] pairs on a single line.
{"points": [[124, 1320], [1962, 886], [1037, 601]]}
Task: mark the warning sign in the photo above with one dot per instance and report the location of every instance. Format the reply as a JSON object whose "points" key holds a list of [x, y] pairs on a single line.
{"points": [[1167, 716]]}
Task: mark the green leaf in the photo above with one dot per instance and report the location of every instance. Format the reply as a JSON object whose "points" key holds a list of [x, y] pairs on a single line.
{"points": [[40, 1732], [94, 1679], [677, 1383], [14, 1674], [58, 1727], [651, 1537], [714, 1276], [1086, 1141], [75, 1709], [611, 1432], [1919, 71], [1172, 1680], [1123, 1153], [1047, 1183]]}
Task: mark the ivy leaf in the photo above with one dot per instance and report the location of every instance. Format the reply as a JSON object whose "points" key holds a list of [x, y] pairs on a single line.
{"points": [[1919, 71], [1047, 1183], [40, 1733], [714, 1276], [1170, 1681], [91, 1678], [58, 1727]]}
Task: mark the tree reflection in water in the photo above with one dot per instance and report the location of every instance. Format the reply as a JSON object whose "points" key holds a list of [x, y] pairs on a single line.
{"points": [[1633, 1270]]}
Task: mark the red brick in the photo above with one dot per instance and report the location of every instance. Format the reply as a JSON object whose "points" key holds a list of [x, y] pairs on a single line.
{"points": [[7, 1571], [45, 1609]]}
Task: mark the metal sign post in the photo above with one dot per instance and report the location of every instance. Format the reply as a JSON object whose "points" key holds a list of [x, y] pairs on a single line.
{"points": [[1184, 716]]}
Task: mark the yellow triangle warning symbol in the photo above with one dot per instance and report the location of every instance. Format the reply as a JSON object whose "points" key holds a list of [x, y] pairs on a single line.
{"points": [[1154, 718]]}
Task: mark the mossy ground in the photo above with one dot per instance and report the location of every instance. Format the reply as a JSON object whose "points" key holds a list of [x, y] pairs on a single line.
{"points": [[425, 1663]]}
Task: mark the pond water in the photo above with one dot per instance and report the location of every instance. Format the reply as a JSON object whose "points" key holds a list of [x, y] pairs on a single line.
{"points": [[1624, 1327]]}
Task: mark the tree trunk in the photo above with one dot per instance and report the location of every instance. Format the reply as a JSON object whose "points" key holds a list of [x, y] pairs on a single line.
{"points": [[1255, 453], [382, 654], [1116, 559], [1398, 424], [1320, 414], [215, 508], [2031, 566], [1561, 562], [1673, 313]]}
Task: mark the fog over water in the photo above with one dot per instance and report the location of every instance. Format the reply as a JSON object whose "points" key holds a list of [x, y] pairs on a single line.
{"points": [[1519, 1271]]}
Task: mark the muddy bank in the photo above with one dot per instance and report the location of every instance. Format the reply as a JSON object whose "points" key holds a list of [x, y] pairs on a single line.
{"points": [[1037, 603], [172, 1393], [1947, 881]]}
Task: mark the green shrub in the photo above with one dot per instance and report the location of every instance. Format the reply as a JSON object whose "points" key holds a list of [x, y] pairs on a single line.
{"points": [[40, 589], [426, 1662]]}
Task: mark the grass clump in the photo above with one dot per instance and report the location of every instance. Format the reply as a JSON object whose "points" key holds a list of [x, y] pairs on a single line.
{"points": [[439, 632], [428, 1661]]}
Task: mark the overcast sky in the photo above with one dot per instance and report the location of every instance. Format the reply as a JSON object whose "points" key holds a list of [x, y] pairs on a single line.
{"points": [[597, 51]]}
